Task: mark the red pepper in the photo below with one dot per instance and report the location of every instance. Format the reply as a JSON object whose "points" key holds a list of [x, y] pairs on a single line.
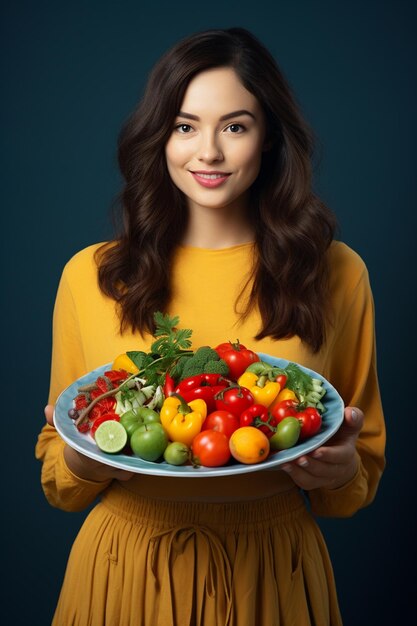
{"points": [[257, 415], [169, 385], [203, 386]]}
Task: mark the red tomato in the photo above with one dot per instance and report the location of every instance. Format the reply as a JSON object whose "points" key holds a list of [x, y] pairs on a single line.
{"points": [[222, 421], [237, 357], [234, 399], [258, 416], [107, 405], [282, 380], [310, 420], [103, 384], [116, 376], [103, 418], [210, 448], [285, 408]]}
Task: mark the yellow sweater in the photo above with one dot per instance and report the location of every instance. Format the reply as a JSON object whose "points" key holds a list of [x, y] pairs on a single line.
{"points": [[206, 283]]}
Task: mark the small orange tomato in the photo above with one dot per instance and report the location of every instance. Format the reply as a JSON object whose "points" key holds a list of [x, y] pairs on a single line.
{"points": [[249, 445]]}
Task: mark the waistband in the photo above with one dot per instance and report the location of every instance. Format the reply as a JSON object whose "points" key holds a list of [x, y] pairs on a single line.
{"points": [[140, 509]]}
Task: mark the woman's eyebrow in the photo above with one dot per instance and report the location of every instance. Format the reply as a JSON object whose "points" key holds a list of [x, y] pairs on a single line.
{"points": [[228, 116]]}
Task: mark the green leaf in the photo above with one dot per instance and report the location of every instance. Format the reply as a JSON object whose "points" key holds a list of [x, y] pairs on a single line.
{"points": [[163, 346], [298, 381], [139, 358], [165, 325], [183, 338], [169, 345]]}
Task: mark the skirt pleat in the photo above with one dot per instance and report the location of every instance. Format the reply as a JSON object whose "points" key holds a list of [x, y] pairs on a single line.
{"points": [[143, 562]]}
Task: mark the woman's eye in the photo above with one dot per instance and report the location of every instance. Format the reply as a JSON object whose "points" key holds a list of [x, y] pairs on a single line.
{"points": [[235, 128], [183, 128]]}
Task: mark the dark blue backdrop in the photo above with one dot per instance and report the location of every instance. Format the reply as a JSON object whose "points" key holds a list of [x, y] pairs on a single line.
{"points": [[71, 74]]}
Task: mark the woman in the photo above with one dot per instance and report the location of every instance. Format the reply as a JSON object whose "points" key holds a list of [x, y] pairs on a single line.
{"points": [[220, 227]]}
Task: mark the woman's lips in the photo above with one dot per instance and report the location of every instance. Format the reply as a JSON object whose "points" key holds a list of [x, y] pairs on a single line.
{"points": [[210, 179]]}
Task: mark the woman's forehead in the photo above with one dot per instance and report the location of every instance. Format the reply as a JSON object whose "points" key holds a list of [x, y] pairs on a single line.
{"points": [[216, 92]]}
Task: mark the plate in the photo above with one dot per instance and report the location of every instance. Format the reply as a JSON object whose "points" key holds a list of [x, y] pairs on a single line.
{"points": [[84, 443]]}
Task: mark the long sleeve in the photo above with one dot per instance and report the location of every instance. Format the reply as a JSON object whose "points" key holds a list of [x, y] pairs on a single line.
{"points": [[61, 487], [352, 370]]}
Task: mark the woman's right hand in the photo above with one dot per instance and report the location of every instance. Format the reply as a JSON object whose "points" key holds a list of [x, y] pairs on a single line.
{"points": [[84, 467]]}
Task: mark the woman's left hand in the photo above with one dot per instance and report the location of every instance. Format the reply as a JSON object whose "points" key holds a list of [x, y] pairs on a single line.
{"points": [[334, 464]]}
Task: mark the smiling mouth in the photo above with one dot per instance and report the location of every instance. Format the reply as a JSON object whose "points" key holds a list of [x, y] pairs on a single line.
{"points": [[210, 180], [211, 175]]}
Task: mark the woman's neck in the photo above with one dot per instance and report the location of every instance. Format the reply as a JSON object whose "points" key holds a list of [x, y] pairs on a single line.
{"points": [[217, 228]]}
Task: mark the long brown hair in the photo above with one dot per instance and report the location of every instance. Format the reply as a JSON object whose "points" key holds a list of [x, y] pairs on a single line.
{"points": [[293, 227]]}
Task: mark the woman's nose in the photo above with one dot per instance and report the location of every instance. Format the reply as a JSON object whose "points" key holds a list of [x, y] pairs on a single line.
{"points": [[210, 150]]}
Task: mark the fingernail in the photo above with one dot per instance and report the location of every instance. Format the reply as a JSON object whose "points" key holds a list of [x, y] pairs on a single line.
{"points": [[287, 468], [302, 462], [317, 454], [354, 415]]}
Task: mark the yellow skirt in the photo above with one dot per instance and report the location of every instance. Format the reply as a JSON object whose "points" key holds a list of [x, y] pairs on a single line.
{"points": [[143, 562]]}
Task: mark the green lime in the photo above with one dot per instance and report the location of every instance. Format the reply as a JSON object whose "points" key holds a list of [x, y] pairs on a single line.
{"points": [[111, 437]]}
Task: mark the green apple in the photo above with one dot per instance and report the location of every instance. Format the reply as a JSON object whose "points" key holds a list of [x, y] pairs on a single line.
{"points": [[149, 441], [131, 421], [148, 415]]}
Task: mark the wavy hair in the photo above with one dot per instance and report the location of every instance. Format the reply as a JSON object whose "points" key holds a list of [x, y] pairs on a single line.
{"points": [[293, 228]]}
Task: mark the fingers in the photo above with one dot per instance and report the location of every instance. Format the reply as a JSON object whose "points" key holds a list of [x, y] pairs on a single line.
{"points": [[309, 473], [334, 463], [353, 420], [49, 414]]}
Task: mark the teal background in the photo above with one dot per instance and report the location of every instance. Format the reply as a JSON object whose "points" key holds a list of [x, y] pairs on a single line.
{"points": [[71, 73]]}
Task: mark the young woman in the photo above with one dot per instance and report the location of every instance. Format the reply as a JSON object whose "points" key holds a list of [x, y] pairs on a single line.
{"points": [[220, 227]]}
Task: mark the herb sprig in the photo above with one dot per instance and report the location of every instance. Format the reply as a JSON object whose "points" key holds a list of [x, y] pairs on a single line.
{"points": [[170, 345]]}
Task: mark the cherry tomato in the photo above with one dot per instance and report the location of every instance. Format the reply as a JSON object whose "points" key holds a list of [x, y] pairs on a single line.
{"points": [[257, 415], [285, 408], [222, 421], [234, 399], [287, 434], [237, 357], [210, 448], [310, 420], [282, 380]]}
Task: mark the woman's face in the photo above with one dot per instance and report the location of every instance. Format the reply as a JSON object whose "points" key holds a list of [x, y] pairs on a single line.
{"points": [[215, 150]]}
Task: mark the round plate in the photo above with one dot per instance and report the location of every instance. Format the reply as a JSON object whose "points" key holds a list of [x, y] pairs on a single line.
{"points": [[84, 443]]}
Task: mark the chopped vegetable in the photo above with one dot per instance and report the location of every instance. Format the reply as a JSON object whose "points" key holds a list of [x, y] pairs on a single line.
{"points": [[309, 390]]}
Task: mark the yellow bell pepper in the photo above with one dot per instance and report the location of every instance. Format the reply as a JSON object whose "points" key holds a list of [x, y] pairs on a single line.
{"points": [[263, 390], [182, 421]]}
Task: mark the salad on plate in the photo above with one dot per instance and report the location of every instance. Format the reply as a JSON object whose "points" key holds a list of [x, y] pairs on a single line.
{"points": [[212, 411]]}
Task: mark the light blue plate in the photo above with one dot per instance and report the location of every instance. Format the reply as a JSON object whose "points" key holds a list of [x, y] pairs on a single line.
{"points": [[84, 443]]}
